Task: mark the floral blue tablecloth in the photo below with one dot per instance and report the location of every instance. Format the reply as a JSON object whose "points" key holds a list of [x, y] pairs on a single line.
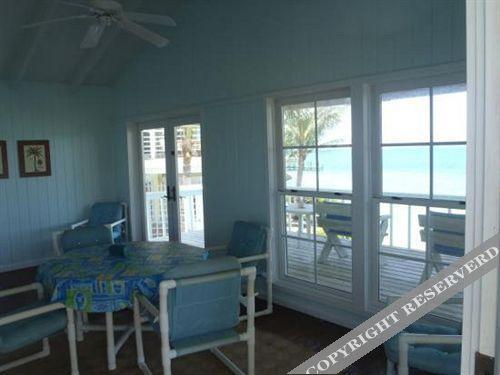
{"points": [[91, 280]]}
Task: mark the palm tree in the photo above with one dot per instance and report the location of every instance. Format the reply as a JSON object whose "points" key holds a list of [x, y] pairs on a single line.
{"points": [[36, 153], [300, 130]]}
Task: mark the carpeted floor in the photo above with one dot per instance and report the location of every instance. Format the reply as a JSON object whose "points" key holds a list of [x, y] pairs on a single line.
{"points": [[283, 340]]}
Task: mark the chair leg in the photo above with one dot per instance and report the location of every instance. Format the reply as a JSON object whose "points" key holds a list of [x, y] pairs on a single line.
{"points": [[72, 341], [167, 366]]}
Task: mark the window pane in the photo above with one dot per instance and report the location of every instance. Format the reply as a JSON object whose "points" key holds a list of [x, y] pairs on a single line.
{"points": [[406, 170], [298, 125], [398, 276], [334, 121], [334, 237], [400, 229], [449, 172], [300, 259], [300, 168], [299, 216], [449, 113], [335, 165], [405, 116]]}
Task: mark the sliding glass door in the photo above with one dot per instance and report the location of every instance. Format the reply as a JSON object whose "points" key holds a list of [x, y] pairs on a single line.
{"points": [[172, 182]]}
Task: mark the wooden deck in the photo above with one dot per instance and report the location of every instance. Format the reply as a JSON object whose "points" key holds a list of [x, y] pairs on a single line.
{"points": [[397, 276]]}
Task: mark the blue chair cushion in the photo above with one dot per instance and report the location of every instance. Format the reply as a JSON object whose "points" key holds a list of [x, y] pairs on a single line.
{"points": [[105, 213], [84, 237], [200, 309], [28, 331], [433, 358], [247, 239]]}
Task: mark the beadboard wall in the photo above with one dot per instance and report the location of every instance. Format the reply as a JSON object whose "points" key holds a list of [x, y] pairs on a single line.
{"points": [[78, 126], [227, 56]]}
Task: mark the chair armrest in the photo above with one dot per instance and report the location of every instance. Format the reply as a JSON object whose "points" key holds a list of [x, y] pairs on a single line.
{"points": [[79, 224], [23, 289], [30, 313], [253, 258], [111, 225], [406, 339]]}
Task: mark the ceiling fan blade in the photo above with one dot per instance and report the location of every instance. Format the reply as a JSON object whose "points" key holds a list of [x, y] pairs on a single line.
{"points": [[75, 4], [93, 35], [142, 32], [150, 18], [35, 24]]}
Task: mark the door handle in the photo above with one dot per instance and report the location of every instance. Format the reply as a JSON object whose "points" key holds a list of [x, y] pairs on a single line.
{"points": [[174, 194], [168, 194]]}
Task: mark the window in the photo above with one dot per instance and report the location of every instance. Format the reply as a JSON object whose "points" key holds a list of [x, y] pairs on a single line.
{"points": [[420, 190], [315, 189]]}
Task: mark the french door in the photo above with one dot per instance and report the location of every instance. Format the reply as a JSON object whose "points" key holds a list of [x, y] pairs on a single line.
{"points": [[172, 181]]}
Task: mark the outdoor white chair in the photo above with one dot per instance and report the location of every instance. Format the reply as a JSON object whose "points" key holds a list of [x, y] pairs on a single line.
{"points": [[197, 310], [33, 323], [336, 221], [445, 235]]}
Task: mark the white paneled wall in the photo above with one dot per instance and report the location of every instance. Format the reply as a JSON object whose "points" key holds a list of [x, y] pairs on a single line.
{"points": [[78, 126]]}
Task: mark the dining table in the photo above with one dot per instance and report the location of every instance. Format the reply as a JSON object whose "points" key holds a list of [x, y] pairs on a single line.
{"points": [[104, 278]]}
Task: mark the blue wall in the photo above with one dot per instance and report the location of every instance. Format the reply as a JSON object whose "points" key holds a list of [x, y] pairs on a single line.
{"points": [[233, 49], [79, 127]]}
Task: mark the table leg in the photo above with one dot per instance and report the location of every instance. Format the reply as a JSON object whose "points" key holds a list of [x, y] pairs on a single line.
{"points": [[79, 326], [110, 336], [72, 341]]}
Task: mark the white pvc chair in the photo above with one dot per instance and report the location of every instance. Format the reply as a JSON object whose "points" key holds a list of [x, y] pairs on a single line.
{"points": [[217, 338], [40, 321]]}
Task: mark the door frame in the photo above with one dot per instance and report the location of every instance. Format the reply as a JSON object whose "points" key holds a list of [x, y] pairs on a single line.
{"points": [[135, 167]]}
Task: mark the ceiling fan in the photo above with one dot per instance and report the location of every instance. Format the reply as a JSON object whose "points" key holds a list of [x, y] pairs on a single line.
{"points": [[105, 13]]}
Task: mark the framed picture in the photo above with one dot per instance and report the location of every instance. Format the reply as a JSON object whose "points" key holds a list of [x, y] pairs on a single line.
{"points": [[4, 163], [34, 158]]}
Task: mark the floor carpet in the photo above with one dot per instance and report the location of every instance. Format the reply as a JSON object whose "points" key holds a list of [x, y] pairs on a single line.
{"points": [[283, 340]]}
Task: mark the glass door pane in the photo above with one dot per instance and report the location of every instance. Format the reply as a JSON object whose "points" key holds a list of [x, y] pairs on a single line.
{"points": [[154, 176], [190, 184]]}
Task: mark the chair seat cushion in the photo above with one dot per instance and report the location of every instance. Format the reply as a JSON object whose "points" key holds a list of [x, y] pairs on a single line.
{"points": [[28, 331], [433, 358]]}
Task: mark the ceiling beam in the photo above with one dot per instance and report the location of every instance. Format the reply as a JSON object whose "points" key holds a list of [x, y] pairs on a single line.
{"points": [[87, 65], [46, 12]]}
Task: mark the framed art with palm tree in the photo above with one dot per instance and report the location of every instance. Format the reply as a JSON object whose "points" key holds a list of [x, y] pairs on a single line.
{"points": [[4, 165], [34, 158]]}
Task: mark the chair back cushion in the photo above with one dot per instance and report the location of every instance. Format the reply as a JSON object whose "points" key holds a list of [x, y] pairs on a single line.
{"points": [[85, 237], [247, 239], [205, 307], [105, 213]]}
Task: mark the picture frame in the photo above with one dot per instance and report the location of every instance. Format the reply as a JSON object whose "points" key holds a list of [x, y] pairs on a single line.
{"points": [[34, 158], [4, 162]]}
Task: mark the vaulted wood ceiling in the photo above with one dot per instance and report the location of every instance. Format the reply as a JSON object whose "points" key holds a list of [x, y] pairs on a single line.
{"points": [[52, 53]]}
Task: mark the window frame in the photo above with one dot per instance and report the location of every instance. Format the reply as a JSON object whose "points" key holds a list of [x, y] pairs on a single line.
{"points": [[282, 191], [376, 195]]}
